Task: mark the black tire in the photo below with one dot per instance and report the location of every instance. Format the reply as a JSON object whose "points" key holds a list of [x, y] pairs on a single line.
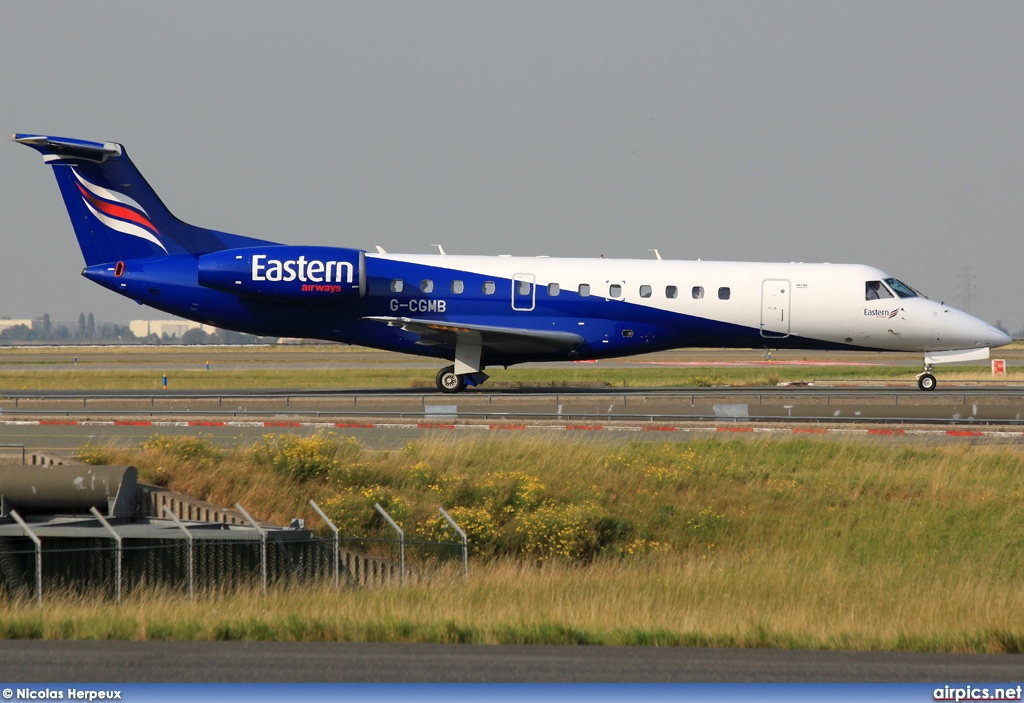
{"points": [[448, 381], [926, 382]]}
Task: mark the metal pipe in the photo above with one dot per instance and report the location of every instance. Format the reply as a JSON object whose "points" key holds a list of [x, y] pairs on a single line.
{"points": [[117, 538], [39, 554], [263, 542], [191, 557], [401, 543], [323, 516]]}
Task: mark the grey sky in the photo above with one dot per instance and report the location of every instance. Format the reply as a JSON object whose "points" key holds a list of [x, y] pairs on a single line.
{"points": [[887, 133]]}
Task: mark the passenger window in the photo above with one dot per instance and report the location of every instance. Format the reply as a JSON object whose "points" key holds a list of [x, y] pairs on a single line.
{"points": [[396, 285], [645, 291], [553, 289], [698, 292], [458, 287], [724, 293], [488, 287], [426, 285], [874, 290], [615, 291], [523, 287], [584, 290], [671, 292]]}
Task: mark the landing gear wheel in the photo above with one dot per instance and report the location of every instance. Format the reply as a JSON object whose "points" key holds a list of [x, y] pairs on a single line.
{"points": [[448, 381], [926, 382]]}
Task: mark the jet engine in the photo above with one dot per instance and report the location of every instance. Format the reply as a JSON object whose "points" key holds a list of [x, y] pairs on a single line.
{"points": [[287, 273]]}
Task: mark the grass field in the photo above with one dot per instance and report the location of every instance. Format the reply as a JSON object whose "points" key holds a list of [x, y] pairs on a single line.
{"points": [[570, 375], [717, 542], [330, 366]]}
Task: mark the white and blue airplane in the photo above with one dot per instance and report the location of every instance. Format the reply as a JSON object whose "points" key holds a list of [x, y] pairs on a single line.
{"points": [[481, 311]]}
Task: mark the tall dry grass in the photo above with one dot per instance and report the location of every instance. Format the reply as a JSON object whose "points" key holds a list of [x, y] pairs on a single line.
{"points": [[714, 542], [778, 599]]}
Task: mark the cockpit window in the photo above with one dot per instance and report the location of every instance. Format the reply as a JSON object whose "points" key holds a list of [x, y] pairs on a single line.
{"points": [[874, 290], [901, 288]]}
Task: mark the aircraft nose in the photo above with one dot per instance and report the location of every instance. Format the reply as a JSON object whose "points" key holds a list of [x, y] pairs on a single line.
{"points": [[999, 338], [988, 336], [964, 331]]}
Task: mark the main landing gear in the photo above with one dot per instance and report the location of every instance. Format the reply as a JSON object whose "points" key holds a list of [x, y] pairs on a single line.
{"points": [[926, 381], [450, 382]]}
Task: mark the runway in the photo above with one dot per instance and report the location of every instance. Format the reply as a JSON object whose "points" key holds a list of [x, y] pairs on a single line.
{"points": [[140, 662], [63, 421], [966, 405]]}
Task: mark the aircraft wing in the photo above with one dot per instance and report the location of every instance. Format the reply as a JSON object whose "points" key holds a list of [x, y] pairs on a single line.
{"points": [[500, 339]]}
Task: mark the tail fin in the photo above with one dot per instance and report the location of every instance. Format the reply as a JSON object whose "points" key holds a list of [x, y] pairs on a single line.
{"points": [[116, 215]]}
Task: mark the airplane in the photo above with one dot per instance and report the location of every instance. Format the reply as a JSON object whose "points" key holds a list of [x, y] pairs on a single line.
{"points": [[484, 311]]}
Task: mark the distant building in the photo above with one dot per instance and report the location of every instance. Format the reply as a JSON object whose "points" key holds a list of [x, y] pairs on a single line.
{"points": [[7, 323], [172, 328]]}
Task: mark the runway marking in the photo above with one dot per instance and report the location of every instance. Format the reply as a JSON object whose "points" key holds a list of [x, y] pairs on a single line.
{"points": [[874, 431], [763, 363]]}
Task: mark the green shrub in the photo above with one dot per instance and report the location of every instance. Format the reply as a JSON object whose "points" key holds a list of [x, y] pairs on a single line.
{"points": [[303, 458], [192, 449]]}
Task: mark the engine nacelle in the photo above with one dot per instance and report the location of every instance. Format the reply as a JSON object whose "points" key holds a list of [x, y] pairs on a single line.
{"points": [[286, 273]]}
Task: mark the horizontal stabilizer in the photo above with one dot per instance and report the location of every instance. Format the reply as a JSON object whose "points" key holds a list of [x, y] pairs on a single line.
{"points": [[58, 148]]}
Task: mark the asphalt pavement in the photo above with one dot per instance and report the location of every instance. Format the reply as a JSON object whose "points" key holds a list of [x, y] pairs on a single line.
{"points": [[89, 662]]}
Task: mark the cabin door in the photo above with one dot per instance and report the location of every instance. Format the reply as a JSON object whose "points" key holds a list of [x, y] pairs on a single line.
{"points": [[524, 292], [775, 312]]}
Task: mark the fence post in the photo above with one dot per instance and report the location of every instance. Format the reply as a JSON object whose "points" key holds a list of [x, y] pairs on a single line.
{"points": [[39, 554], [465, 542], [117, 538], [263, 545], [401, 543], [191, 558], [323, 516]]}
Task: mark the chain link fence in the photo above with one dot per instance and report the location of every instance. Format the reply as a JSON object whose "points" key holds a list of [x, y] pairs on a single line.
{"points": [[206, 565]]}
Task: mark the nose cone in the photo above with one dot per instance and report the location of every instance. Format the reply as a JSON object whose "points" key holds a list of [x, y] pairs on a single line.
{"points": [[979, 333], [998, 337], [956, 329]]}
